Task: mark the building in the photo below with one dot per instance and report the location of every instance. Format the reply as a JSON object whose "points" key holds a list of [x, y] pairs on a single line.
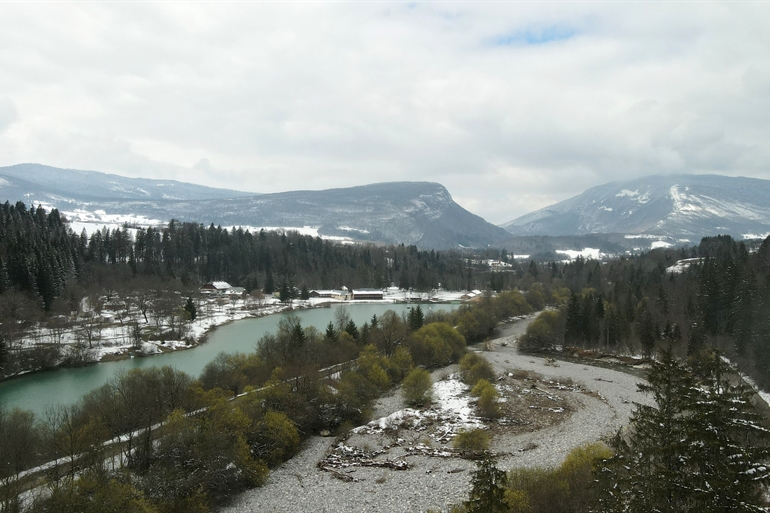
{"points": [[341, 295], [471, 295], [216, 287], [367, 294]]}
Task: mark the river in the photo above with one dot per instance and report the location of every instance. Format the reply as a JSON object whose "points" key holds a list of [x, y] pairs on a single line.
{"points": [[66, 385]]}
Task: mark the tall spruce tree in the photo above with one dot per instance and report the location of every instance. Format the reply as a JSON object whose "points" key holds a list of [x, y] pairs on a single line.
{"points": [[699, 448], [728, 450]]}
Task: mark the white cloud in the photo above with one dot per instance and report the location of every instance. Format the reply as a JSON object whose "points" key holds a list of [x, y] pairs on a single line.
{"points": [[512, 106]]}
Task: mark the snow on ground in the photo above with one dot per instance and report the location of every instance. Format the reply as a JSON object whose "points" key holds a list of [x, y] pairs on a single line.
{"points": [[80, 220], [593, 253], [682, 265], [755, 235], [110, 328], [660, 244], [451, 413]]}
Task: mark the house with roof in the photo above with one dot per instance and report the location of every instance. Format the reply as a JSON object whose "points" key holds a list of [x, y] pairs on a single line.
{"points": [[341, 295], [216, 287], [471, 295]]}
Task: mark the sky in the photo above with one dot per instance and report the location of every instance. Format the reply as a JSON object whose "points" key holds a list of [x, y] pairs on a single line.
{"points": [[512, 106]]}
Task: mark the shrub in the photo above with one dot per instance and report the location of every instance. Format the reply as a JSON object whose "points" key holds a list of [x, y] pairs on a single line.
{"points": [[474, 367], [488, 404], [400, 364], [436, 344], [418, 386], [479, 387], [565, 489], [274, 438], [545, 332], [472, 440]]}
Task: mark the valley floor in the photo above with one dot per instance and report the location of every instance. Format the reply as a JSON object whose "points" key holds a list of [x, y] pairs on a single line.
{"points": [[578, 404]]}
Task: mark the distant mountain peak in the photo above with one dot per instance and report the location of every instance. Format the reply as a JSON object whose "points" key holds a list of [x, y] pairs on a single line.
{"points": [[678, 206]]}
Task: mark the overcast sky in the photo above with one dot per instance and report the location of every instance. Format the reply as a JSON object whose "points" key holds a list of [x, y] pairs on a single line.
{"points": [[511, 105]]}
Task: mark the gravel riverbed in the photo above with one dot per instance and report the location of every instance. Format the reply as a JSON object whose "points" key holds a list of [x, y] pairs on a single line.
{"points": [[435, 483]]}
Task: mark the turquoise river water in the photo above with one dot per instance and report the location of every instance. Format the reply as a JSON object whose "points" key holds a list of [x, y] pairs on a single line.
{"points": [[65, 386]]}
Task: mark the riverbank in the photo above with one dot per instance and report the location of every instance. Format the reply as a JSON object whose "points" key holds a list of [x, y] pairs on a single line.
{"points": [[111, 338], [589, 404], [35, 391]]}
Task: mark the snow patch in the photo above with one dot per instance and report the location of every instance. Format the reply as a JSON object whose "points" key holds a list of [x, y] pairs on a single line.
{"points": [[593, 253], [660, 244], [452, 411], [745, 235], [350, 229], [682, 265], [634, 195]]}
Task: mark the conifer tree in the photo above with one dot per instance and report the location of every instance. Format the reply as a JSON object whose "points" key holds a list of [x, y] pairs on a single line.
{"points": [[728, 444], [487, 488], [700, 448]]}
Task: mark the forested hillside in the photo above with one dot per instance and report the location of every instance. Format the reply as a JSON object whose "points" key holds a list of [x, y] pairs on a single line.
{"points": [[715, 295], [64, 279], [40, 255]]}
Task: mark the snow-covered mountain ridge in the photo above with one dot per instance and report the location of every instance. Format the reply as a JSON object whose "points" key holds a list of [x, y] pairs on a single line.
{"points": [[419, 213], [681, 207]]}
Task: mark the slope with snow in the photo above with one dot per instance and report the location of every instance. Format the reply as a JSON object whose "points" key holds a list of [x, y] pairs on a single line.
{"points": [[419, 213], [680, 208]]}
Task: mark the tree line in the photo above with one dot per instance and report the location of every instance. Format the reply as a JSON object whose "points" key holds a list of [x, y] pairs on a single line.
{"points": [[718, 299], [184, 444], [47, 271], [41, 255]]}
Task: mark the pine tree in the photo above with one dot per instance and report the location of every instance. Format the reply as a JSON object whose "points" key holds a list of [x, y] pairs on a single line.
{"points": [[487, 488], [331, 333], [700, 448], [415, 318], [190, 309], [728, 445]]}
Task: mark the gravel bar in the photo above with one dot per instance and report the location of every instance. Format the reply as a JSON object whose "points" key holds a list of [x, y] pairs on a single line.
{"points": [[437, 483]]}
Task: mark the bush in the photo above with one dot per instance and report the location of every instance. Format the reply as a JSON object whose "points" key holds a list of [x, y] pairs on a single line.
{"points": [[274, 438], [474, 367], [472, 440], [418, 386], [563, 490], [479, 387], [400, 364], [488, 404], [436, 344], [545, 332]]}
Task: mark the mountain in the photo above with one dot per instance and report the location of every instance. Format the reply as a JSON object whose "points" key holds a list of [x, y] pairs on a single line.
{"points": [[683, 208], [46, 184], [419, 213]]}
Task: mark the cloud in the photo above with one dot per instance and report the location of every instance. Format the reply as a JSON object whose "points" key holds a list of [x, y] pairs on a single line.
{"points": [[511, 106], [8, 113]]}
